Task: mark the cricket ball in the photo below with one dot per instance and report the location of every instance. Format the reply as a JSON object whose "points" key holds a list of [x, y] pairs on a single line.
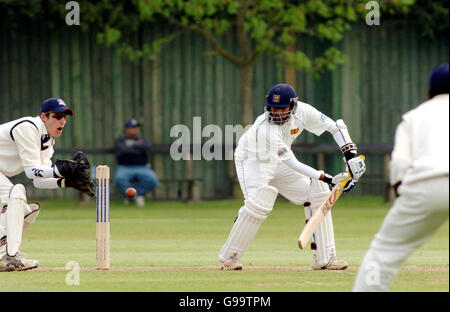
{"points": [[131, 192]]}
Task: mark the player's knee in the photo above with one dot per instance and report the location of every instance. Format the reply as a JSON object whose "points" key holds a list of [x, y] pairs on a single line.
{"points": [[318, 194], [319, 187], [18, 192], [261, 202]]}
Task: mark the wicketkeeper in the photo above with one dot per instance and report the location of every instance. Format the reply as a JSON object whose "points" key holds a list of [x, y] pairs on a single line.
{"points": [[266, 166], [26, 144]]}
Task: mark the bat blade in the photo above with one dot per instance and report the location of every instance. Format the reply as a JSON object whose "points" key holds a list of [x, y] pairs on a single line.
{"points": [[320, 213]]}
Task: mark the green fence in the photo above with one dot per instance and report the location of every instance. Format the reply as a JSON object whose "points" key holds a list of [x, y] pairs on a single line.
{"points": [[385, 75]]}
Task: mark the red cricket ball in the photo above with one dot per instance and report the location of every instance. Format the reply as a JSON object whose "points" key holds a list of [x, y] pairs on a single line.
{"points": [[131, 192]]}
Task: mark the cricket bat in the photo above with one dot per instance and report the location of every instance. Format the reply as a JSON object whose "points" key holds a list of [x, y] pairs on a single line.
{"points": [[320, 213]]}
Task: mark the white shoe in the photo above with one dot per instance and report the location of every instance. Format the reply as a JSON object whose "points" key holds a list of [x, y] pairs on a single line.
{"points": [[126, 201], [333, 264], [140, 201], [17, 263], [231, 265]]}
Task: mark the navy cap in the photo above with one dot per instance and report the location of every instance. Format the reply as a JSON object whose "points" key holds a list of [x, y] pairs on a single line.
{"points": [[281, 95], [438, 82], [132, 123], [55, 105]]}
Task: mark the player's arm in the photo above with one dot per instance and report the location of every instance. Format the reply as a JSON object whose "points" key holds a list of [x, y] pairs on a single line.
{"points": [[304, 169], [316, 122], [75, 174], [401, 156], [355, 163], [61, 169], [143, 145], [293, 163]]}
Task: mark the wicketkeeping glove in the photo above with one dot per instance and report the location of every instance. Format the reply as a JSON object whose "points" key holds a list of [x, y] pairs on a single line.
{"points": [[72, 168], [76, 173], [68, 168], [82, 184], [81, 158]]}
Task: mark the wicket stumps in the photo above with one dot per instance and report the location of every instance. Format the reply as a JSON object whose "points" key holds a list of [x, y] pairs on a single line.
{"points": [[103, 218]]}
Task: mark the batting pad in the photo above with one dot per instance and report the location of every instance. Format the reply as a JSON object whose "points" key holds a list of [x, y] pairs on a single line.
{"points": [[255, 210], [324, 234], [14, 218], [31, 212]]}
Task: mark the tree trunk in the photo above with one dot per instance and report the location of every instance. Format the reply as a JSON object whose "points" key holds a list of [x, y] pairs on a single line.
{"points": [[246, 96], [289, 69], [246, 82]]}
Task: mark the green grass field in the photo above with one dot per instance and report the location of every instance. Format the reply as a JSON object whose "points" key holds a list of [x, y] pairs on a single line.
{"points": [[173, 247]]}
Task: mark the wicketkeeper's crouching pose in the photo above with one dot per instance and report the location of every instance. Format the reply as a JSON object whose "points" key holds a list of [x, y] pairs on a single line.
{"points": [[266, 166], [26, 144]]}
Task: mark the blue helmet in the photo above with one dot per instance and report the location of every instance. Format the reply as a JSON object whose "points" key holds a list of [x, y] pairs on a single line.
{"points": [[280, 96]]}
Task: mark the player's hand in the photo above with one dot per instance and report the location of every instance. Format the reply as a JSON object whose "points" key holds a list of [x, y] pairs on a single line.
{"points": [[350, 185], [339, 178], [356, 166], [69, 168], [78, 166]]}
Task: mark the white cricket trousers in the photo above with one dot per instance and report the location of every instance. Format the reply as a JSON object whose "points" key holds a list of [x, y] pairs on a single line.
{"points": [[253, 174], [297, 188], [416, 215]]}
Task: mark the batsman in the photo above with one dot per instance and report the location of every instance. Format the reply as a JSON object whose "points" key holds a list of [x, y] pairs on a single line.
{"points": [[26, 145], [266, 167]]}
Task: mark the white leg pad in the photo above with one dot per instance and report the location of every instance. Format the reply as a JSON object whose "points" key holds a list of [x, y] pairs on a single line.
{"points": [[31, 213], [255, 210], [15, 218], [324, 234]]}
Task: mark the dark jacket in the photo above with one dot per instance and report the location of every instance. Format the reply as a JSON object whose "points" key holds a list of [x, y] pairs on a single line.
{"points": [[131, 151]]}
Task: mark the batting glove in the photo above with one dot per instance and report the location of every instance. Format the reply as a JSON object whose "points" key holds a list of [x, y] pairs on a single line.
{"points": [[349, 185]]}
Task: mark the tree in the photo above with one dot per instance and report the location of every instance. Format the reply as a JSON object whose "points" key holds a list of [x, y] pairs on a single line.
{"points": [[260, 26]]}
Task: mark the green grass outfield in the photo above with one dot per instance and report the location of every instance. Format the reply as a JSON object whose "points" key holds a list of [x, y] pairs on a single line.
{"points": [[173, 247]]}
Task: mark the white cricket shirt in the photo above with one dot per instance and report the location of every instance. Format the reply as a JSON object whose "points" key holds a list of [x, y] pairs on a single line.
{"points": [[270, 142], [421, 148], [23, 143]]}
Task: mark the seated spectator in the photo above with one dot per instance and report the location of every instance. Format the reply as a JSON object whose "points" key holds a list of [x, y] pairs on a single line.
{"points": [[133, 169]]}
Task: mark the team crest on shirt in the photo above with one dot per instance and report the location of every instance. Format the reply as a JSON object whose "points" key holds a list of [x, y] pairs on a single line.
{"points": [[294, 131], [276, 98]]}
